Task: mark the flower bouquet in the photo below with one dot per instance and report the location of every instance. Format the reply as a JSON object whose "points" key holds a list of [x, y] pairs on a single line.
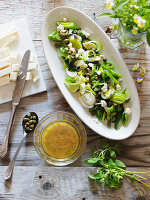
{"points": [[134, 21]]}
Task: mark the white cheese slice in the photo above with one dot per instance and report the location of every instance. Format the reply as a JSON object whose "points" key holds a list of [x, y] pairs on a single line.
{"points": [[32, 66], [4, 62], [14, 57], [13, 76], [4, 80], [29, 76], [5, 71], [4, 53], [7, 34], [35, 77], [8, 42], [15, 67]]}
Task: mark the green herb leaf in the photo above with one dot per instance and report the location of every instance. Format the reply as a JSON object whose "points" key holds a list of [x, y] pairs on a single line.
{"points": [[112, 154], [148, 37], [120, 4], [131, 179], [111, 163], [105, 15], [91, 161], [119, 163]]}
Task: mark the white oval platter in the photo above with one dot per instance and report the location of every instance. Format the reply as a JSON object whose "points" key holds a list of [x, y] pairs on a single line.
{"points": [[109, 51]]}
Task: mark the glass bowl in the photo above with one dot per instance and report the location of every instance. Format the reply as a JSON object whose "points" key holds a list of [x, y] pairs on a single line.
{"points": [[59, 117]]}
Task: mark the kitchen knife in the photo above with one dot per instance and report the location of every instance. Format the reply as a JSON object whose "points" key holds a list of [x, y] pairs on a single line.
{"points": [[17, 94]]}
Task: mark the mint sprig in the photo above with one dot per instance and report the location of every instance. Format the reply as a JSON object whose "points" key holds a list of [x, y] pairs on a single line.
{"points": [[111, 171]]}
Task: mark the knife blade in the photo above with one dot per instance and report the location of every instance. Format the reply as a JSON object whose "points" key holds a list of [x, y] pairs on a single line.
{"points": [[21, 78], [17, 93]]}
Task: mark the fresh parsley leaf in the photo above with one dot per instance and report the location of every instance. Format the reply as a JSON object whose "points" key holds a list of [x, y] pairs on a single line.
{"points": [[91, 161], [119, 163], [112, 154]]}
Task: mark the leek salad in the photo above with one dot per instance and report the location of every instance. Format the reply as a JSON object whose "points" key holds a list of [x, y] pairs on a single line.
{"points": [[91, 75]]}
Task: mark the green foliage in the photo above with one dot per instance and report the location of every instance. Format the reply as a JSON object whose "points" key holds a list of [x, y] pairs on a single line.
{"points": [[126, 10], [148, 37], [110, 170]]}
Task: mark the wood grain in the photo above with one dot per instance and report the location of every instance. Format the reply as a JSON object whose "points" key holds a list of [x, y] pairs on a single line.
{"points": [[69, 183]]}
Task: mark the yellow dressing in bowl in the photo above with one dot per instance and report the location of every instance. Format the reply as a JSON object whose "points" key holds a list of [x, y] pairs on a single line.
{"points": [[60, 140]]}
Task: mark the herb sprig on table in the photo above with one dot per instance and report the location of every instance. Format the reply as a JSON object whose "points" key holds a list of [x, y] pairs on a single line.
{"points": [[111, 171]]}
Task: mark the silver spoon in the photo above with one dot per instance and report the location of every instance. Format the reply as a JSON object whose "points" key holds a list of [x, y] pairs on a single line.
{"points": [[26, 129]]}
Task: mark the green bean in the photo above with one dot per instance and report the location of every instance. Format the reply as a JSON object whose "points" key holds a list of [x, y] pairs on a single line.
{"points": [[111, 77], [115, 74]]}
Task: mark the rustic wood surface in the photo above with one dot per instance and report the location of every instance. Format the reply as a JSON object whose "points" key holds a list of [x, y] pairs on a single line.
{"points": [[32, 177]]}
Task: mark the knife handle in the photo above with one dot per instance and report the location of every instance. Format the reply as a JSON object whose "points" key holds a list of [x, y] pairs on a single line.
{"points": [[4, 145]]}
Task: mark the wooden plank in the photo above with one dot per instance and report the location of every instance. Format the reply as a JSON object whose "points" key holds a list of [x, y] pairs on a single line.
{"points": [[63, 184]]}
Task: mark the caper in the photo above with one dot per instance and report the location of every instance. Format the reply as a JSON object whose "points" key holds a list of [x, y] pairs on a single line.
{"points": [[31, 121], [31, 117], [26, 119], [34, 121], [34, 117], [28, 115], [27, 123], [32, 126]]}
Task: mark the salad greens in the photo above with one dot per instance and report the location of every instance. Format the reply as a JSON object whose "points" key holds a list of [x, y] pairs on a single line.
{"points": [[91, 74], [111, 171]]}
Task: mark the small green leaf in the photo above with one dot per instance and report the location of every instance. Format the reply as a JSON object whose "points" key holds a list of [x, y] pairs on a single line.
{"points": [[119, 163], [91, 161], [148, 37], [105, 15], [112, 154], [91, 176], [98, 175], [120, 4], [131, 179], [111, 163]]}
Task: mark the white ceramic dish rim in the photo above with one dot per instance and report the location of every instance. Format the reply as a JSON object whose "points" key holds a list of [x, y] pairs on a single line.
{"points": [[132, 85]]}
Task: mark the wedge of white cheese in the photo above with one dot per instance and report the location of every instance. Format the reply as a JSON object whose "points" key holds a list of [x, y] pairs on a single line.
{"points": [[32, 66], [5, 71], [4, 80], [4, 63], [4, 53], [13, 76], [29, 76], [35, 77], [14, 57], [15, 67]]}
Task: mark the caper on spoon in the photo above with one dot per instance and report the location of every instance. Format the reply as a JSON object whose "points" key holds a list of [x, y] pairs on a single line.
{"points": [[29, 123]]}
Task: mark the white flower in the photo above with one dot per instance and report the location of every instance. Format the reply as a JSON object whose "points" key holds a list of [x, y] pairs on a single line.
{"points": [[103, 103], [86, 34], [128, 110], [109, 4], [118, 87], [104, 88], [60, 28], [139, 21]]}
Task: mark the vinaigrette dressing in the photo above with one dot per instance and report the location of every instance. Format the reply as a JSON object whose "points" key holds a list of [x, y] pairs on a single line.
{"points": [[60, 140]]}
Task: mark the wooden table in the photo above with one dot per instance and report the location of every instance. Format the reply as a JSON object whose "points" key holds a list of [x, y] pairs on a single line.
{"points": [[32, 177]]}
